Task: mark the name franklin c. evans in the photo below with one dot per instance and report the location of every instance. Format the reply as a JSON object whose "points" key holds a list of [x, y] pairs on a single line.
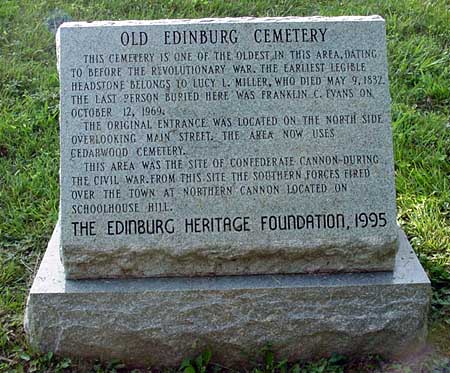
{"points": [[225, 224]]}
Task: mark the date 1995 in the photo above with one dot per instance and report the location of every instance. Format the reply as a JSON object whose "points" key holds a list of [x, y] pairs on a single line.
{"points": [[372, 219]]}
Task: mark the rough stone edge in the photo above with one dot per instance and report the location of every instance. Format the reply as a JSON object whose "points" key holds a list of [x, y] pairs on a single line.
{"points": [[161, 321], [85, 263], [182, 21]]}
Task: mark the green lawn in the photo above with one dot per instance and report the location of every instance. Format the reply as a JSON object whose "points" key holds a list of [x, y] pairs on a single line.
{"points": [[419, 67]]}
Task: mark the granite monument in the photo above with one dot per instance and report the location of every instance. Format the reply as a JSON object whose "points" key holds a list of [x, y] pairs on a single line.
{"points": [[195, 153]]}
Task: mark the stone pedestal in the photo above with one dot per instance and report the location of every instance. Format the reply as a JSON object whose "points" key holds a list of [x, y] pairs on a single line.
{"points": [[160, 321]]}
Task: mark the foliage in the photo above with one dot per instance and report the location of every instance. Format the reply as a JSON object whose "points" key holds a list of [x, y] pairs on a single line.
{"points": [[197, 365]]}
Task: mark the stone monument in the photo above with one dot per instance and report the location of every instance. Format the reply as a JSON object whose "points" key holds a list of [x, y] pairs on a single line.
{"points": [[226, 183]]}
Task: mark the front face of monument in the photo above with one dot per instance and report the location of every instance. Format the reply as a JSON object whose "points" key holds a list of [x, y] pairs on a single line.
{"points": [[226, 147]]}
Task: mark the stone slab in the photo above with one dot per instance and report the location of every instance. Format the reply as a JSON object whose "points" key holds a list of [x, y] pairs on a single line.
{"points": [[186, 145], [160, 321]]}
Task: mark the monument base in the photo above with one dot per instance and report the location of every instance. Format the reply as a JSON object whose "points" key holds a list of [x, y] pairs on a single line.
{"points": [[160, 321]]}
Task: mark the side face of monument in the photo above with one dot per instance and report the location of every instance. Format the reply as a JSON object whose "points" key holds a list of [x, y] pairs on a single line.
{"points": [[236, 146]]}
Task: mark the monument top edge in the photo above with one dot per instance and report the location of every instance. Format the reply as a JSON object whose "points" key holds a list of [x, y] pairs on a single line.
{"points": [[231, 20]]}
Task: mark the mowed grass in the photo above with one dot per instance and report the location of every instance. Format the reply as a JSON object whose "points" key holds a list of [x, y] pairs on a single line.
{"points": [[419, 67]]}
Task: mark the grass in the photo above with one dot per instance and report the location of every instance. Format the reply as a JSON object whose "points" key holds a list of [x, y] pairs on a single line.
{"points": [[419, 67]]}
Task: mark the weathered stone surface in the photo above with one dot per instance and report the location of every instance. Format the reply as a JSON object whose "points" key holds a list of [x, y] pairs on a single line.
{"points": [[287, 118], [160, 321]]}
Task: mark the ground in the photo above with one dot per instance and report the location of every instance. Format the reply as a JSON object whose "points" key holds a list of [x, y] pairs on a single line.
{"points": [[418, 34]]}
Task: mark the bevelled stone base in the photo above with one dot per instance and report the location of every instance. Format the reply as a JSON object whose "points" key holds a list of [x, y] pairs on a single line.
{"points": [[161, 321]]}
